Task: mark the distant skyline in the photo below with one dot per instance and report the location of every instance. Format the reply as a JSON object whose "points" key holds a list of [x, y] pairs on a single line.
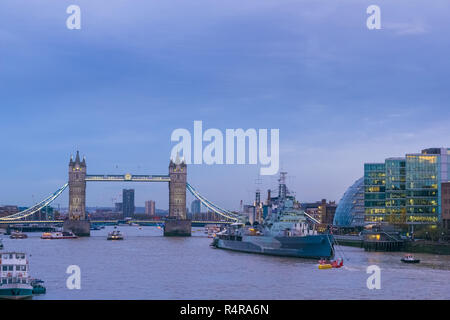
{"points": [[340, 94]]}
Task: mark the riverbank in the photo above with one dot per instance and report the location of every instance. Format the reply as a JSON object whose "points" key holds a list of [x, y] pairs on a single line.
{"points": [[419, 246], [427, 247]]}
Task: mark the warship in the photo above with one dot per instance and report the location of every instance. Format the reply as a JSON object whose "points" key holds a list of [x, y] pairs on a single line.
{"points": [[285, 230]]}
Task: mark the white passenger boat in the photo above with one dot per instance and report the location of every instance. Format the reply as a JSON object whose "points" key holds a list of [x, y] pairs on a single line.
{"points": [[14, 278], [58, 235]]}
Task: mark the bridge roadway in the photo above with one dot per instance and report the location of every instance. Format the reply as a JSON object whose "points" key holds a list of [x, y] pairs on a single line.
{"points": [[128, 177], [195, 223]]}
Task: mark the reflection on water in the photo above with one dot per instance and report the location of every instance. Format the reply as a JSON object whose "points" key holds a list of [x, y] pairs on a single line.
{"points": [[147, 265]]}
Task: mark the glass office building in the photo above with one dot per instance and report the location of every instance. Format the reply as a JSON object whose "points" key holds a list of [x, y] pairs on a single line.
{"points": [[395, 190], [350, 210], [128, 207], [406, 190], [374, 191], [423, 182]]}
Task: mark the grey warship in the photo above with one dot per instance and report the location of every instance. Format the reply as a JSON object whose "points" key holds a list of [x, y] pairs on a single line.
{"points": [[285, 231]]}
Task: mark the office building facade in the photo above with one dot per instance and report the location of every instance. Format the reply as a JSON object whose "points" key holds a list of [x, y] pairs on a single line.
{"points": [[445, 202], [406, 190], [150, 208], [326, 211], [128, 207]]}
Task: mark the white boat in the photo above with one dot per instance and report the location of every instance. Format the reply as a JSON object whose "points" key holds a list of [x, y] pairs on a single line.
{"points": [[115, 235], [409, 258], [58, 235], [14, 278]]}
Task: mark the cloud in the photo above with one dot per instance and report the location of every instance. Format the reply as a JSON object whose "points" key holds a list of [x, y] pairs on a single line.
{"points": [[407, 28]]}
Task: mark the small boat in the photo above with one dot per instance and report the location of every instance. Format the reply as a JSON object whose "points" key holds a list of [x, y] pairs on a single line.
{"points": [[115, 235], [15, 281], [326, 264], [18, 235], [38, 287], [409, 258], [58, 235], [1, 244], [94, 227]]}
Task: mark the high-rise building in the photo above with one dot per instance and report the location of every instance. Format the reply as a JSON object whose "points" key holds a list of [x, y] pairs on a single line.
{"points": [[195, 207], [128, 203], [150, 208], [406, 190], [445, 201]]}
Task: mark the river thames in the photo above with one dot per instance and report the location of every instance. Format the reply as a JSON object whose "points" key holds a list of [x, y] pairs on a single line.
{"points": [[147, 265]]}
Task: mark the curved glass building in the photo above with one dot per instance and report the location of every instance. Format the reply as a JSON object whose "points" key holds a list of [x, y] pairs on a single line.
{"points": [[350, 210]]}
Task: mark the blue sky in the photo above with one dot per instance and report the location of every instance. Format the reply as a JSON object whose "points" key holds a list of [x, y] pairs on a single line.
{"points": [[340, 94]]}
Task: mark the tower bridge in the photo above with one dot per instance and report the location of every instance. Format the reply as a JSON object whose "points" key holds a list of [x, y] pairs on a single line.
{"points": [[177, 223]]}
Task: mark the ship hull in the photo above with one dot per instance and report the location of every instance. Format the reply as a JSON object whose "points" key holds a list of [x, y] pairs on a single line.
{"points": [[310, 247], [16, 291]]}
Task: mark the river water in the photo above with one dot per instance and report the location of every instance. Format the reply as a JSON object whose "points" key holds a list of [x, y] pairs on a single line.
{"points": [[147, 265]]}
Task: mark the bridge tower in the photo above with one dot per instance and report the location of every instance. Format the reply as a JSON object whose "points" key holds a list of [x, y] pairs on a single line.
{"points": [[177, 224], [77, 222]]}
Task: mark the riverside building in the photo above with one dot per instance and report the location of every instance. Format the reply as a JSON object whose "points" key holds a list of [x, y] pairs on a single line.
{"points": [[350, 210], [407, 190]]}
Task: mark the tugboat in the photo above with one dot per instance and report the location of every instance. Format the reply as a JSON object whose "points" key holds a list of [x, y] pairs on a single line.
{"points": [[38, 288], [14, 279], [409, 258], [286, 231], [18, 235], [115, 235], [58, 235]]}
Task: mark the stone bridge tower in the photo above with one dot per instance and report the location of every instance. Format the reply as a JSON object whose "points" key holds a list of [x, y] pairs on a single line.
{"points": [[77, 188], [77, 222], [177, 224], [177, 188]]}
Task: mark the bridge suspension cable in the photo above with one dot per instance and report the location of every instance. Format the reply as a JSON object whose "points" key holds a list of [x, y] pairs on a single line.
{"points": [[37, 207], [223, 212]]}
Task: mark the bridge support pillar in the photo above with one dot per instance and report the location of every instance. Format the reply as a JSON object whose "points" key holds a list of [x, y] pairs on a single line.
{"points": [[177, 228], [81, 228], [177, 224]]}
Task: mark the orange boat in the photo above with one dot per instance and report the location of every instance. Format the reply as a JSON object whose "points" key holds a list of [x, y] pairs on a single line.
{"points": [[326, 264]]}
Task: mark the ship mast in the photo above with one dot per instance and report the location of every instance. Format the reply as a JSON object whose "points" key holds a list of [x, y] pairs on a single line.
{"points": [[282, 190]]}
